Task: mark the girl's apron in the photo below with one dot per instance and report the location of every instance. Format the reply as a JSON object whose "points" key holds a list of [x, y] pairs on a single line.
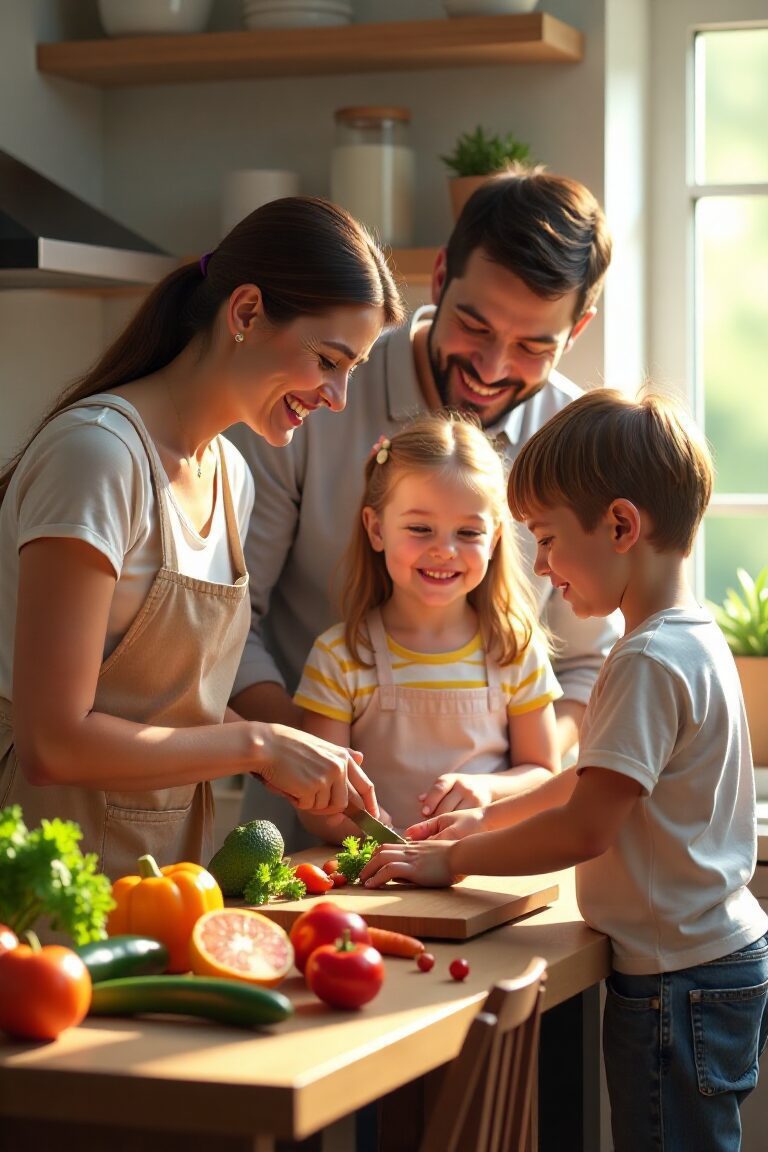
{"points": [[410, 736], [174, 668]]}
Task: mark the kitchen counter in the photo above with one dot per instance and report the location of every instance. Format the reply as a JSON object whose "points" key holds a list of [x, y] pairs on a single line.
{"points": [[130, 1083]]}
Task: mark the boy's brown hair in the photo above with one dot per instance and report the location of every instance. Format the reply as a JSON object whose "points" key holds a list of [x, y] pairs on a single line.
{"points": [[607, 446]]}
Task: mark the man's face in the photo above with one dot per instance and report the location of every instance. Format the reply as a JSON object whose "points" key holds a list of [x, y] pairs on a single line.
{"points": [[493, 342]]}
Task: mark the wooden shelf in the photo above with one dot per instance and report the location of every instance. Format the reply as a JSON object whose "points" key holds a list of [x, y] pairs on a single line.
{"points": [[449, 43]]}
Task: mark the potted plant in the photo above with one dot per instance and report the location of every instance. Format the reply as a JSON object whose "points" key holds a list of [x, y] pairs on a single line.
{"points": [[743, 619], [475, 157]]}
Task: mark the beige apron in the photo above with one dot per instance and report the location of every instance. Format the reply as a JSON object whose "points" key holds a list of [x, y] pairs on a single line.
{"points": [[174, 667], [410, 736]]}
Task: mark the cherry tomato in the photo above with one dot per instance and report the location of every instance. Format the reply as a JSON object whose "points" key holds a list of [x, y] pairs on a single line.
{"points": [[425, 961], [339, 879], [345, 974], [42, 991], [459, 969], [316, 880], [8, 939], [331, 866], [323, 924]]}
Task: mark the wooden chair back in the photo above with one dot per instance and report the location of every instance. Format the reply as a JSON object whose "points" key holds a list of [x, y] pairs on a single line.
{"points": [[485, 1101]]}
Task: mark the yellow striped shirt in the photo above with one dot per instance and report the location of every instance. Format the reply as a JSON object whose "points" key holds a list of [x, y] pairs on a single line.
{"points": [[337, 686]]}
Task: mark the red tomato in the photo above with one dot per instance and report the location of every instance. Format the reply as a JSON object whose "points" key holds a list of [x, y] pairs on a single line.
{"points": [[459, 969], [339, 879], [425, 961], [42, 991], [8, 939], [331, 866], [316, 880], [345, 975], [323, 924]]}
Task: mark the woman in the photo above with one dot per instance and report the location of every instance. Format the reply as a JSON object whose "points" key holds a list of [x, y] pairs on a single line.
{"points": [[125, 595]]}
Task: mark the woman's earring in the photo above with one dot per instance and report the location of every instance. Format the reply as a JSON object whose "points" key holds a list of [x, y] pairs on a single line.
{"points": [[239, 337]]}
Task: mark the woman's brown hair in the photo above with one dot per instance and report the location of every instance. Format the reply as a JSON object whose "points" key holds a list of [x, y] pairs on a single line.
{"points": [[451, 445], [305, 254]]}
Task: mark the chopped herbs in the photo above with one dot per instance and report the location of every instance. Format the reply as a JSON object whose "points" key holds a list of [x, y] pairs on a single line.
{"points": [[270, 881], [354, 855]]}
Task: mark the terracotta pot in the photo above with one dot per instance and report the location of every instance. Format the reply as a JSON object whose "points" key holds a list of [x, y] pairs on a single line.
{"points": [[753, 673], [461, 188]]}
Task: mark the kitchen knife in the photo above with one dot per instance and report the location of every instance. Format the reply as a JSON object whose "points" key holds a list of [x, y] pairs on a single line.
{"points": [[371, 826]]}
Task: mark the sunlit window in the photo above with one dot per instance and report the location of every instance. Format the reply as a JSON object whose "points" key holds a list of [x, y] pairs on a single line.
{"points": [[730, 190]]}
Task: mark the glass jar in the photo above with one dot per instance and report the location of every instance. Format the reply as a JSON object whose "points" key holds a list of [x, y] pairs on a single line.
{"points": [[372, 171]]}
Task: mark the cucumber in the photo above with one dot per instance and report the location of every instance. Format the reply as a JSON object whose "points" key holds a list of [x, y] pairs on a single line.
{"points": [[123, 956], [211, 997]]}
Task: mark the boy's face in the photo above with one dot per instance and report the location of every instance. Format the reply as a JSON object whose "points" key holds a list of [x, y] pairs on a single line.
{"points": [[587, 567]]}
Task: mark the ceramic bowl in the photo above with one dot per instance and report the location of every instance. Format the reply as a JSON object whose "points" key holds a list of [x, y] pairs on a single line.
{"points": [[153, 17], [488, 7]]}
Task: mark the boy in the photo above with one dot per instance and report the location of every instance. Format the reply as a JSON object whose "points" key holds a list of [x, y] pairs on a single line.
{"points": [[659, 813]]}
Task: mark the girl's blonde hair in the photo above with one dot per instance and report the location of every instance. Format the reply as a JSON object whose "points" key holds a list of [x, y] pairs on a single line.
{"points": [[450, 445]]}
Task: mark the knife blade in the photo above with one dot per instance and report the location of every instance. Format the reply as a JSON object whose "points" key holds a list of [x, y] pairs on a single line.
{"points": [[371, 826]]}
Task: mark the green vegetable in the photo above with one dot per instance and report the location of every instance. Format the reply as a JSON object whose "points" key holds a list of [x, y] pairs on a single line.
{"points": [[43, 874], [123, 956], [211, 997], [354, 855], [245, 848], [270, 881]]}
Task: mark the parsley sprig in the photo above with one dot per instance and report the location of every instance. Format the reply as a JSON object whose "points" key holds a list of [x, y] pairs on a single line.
{"points": [[44, 874], [354, 855], [270, 881]]}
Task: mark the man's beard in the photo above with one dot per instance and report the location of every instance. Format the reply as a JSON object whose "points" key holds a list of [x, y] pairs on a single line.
{"points": [[517, 390]]}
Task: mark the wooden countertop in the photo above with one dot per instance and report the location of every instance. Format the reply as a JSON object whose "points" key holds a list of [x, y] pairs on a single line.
{"points": [[300, 1076]]}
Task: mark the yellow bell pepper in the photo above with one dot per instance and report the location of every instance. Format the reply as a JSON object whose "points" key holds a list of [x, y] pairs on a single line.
{"points": [[164, 903]]}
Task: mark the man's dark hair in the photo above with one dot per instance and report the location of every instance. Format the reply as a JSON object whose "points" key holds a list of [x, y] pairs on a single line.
{"points": [[548, 230]]}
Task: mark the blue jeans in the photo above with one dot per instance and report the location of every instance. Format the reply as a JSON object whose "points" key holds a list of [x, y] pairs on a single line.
{"points": [[681, 1052]]}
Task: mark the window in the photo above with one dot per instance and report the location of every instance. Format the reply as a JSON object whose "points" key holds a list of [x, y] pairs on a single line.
{"points": [[709, 334]]}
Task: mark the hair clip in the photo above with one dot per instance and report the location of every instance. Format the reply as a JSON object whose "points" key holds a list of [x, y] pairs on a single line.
{"points": [[204, 262], [381, 449]]}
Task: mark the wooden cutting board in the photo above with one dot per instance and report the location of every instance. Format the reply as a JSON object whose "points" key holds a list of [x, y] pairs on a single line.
{"points": [[473, 906]]}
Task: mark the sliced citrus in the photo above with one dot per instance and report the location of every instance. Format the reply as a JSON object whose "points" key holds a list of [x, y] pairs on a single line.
{"points": [[242, 945]]}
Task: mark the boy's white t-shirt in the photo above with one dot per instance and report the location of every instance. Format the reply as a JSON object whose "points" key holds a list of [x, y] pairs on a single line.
{"points": [[667, 711], [87, 476]]}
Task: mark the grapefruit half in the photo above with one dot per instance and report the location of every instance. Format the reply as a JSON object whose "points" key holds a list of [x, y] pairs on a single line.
{"points": [[240, 944]]}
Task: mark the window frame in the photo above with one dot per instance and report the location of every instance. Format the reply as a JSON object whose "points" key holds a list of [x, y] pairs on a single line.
{"points": [[674, 192]]}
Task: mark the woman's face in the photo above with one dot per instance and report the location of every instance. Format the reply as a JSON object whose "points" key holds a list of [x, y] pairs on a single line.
{"points": [[285, 373]]}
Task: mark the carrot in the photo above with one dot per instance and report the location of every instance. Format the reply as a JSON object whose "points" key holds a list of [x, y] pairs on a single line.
{"points": [[394, 943]]}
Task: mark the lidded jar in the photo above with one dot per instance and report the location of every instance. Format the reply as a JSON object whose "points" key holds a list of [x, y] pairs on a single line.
{"points": [[372, 170]]}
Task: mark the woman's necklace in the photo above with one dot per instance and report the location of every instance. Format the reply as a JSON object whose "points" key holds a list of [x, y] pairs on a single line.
{"points": [[197, 466]]}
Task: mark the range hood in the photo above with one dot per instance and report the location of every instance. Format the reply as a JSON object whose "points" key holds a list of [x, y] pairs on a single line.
{"points": [[51, 239]]}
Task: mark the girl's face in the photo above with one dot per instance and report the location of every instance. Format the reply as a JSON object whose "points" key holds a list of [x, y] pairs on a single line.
{"points": [[437, 535], [284, 374]]}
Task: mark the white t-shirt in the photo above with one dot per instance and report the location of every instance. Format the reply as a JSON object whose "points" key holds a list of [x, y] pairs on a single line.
{"points": [[86, 476], [667, 711]]}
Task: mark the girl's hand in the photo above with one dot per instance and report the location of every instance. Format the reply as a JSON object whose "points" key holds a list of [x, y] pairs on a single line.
{"points": [[449, 826], [313, 773], [427, 865], [455, 790]]}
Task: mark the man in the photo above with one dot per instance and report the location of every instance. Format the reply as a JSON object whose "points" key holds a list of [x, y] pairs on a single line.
{"points": [[515, 286]]}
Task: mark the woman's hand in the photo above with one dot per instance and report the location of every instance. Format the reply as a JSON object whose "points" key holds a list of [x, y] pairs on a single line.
{"points": [[313, 773], [427, 865], [449, 826], [455, 790]]}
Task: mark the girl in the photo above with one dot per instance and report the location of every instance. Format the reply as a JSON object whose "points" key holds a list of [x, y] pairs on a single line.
{"points": [[438, 675], [125, 597]]}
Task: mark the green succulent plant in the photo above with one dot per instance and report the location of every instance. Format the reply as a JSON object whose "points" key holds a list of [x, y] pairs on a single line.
{"points": [[743, 617], [476, 154]]}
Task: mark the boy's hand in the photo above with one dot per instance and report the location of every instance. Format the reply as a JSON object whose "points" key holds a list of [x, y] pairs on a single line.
{"points": [[449, 826], [426, 865], [455, 790]]}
